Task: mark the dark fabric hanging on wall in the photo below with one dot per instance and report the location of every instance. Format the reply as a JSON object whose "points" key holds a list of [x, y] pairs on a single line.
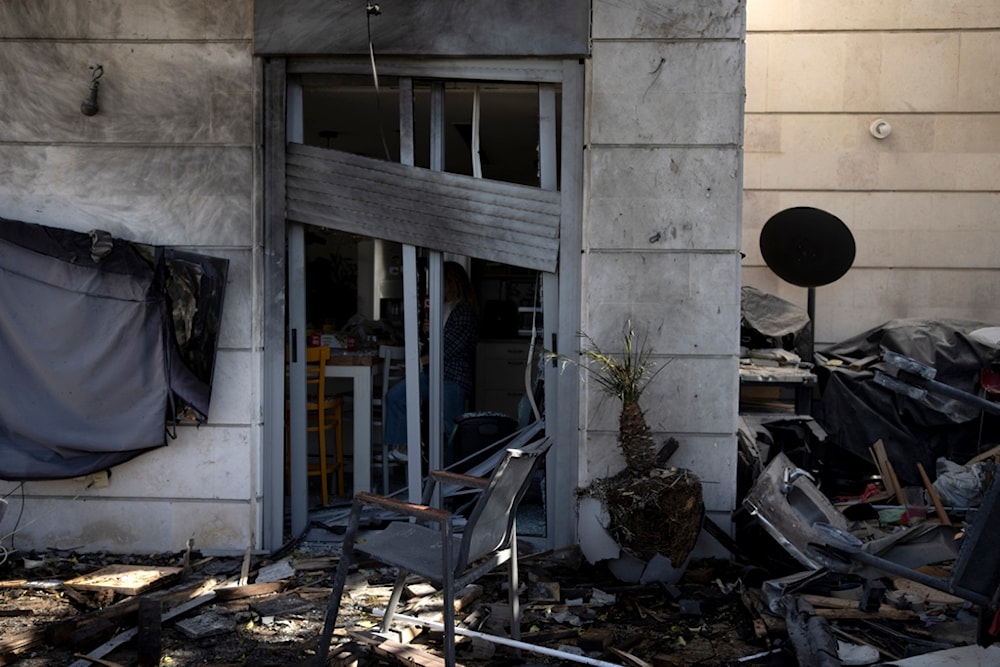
{"points": [[91, 369]]}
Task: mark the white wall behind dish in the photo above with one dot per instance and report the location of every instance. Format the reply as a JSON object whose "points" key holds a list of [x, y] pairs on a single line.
{"points": [[922, 202]]}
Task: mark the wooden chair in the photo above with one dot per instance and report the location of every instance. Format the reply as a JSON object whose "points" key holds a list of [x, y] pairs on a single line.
{"points": [[324, 413], [448, 561], [392, 360]]}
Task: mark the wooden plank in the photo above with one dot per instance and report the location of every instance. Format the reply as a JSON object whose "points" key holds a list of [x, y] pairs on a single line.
{"points": [[350, 359], [930, 595], [128, 635], [149, 639], [628, 658], [888, 472], [92, 634], [349, 655], [320, 563], [830, 607], [430, 608], [245, 568], [121, 613], [885, 613], [125, 579], [935, 498], [228, 593], [407, 654], [989, 453], [12, 647]]}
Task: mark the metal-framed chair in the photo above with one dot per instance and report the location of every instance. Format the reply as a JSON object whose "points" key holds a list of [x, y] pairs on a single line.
{"points": [[449, 561]]}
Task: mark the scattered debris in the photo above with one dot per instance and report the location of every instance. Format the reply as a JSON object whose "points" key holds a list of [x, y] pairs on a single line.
{"points": [[125, 579], [828, 566]]}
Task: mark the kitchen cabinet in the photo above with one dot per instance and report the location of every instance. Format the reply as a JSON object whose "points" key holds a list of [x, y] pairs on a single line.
{"points": [[500, 368]]}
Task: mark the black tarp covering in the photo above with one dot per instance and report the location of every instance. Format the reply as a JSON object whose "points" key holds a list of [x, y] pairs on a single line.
{"points": [[103, 345], [855, 411]]}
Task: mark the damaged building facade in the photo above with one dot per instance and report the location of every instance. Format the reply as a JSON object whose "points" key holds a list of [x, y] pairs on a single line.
{"points": [[640, 107], [207, 130]]}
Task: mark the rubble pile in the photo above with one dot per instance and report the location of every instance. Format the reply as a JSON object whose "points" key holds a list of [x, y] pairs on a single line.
{"points": [[867, 484], [866, 534]]}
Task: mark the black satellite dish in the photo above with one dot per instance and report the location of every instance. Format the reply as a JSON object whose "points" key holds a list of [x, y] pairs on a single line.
{"points": [[807, 247]]}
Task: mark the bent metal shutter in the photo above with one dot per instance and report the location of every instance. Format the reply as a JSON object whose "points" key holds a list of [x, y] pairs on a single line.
{"points": [[492, 220]]}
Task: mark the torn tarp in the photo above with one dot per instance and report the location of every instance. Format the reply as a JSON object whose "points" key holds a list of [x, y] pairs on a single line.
{"points": [[856, 411], [767, 321], [91, 367]]}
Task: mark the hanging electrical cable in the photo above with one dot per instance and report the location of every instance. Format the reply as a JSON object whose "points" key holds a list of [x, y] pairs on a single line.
{"points": [[372, 9], [477, 164]]}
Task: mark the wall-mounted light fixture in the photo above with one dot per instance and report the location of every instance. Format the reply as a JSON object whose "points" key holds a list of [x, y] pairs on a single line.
{"points": [[880, 128], [89, 106]]}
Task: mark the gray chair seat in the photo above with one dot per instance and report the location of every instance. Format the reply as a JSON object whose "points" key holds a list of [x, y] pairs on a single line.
{"points": [[488, 540]]}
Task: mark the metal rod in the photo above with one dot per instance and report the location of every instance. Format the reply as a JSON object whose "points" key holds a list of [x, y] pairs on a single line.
{"points": [[913, 575], [434, 625]]}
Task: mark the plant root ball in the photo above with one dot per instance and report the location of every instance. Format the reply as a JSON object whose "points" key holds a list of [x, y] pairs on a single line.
{"points": [[654, 511]]}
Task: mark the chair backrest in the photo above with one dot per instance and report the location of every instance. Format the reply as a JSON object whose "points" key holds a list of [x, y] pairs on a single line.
{"points": [[317, 358], [392, 366], [492, 519]]}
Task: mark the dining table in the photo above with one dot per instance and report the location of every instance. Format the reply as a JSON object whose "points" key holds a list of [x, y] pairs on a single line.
{"points": [[358, 366]]}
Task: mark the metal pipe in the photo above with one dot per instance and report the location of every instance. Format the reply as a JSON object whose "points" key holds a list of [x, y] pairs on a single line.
{"points": [[913, 575], [434, 625]]}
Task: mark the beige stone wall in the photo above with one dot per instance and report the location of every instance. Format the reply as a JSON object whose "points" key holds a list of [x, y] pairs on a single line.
{"points": [[662, 225], [922, 203], [169, 159]]}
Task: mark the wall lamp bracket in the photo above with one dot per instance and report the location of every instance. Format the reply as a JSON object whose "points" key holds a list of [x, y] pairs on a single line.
{"points": [[880, 128], [89, 106]]}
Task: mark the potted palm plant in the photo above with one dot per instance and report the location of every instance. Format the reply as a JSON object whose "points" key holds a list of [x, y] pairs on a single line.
{"points": [[644, 520]]}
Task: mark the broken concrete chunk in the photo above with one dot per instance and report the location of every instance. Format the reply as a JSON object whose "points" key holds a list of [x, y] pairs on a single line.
{"points": [[283, 569]]}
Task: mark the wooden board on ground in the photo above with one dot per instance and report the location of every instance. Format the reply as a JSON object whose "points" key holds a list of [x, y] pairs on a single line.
{"points": [[889, 479], [930, 595], [227, 593], [404, 653], [407, 654], [125, 579]]}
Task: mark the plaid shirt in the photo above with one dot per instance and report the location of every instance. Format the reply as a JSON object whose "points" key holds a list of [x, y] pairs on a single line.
{"points": [[459, 346]]}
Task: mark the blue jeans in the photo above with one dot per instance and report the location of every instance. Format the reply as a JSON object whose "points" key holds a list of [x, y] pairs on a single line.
{"points": [[453, 399]]}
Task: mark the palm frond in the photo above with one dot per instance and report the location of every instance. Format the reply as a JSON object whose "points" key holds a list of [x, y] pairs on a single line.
{"points": [[624, 376]]}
